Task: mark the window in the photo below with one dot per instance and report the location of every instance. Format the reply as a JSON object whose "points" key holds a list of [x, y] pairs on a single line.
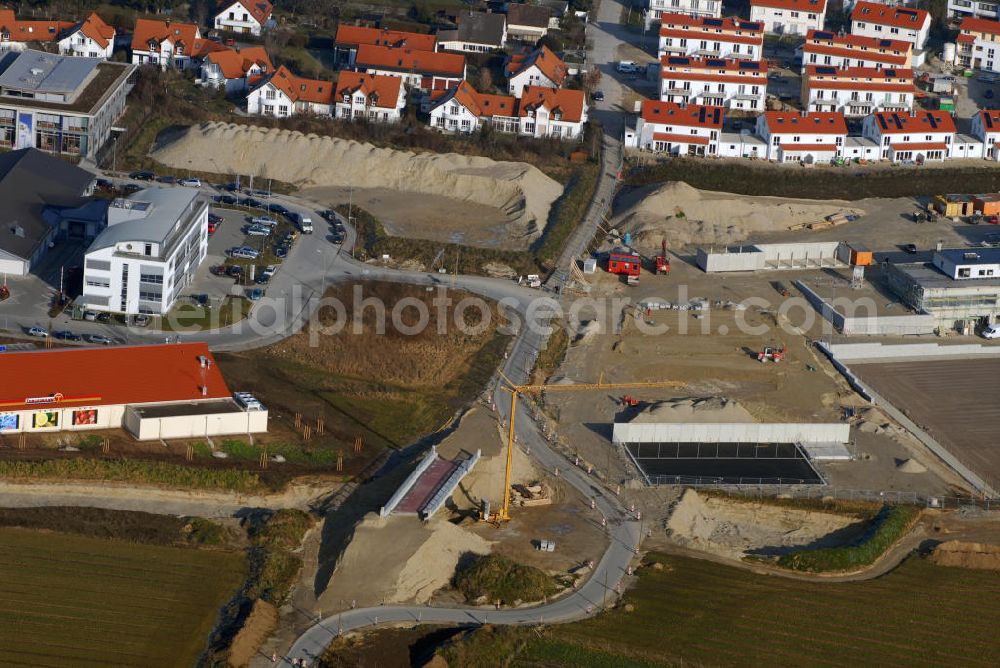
{"points": [[151, 278], [147, 249], [269, 94], [95, 283], [150, 296], [283, 110]]}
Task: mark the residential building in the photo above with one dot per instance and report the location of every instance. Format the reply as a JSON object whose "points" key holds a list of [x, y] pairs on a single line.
{"points": [[657, 8], [870, 19], [919, 136], [235, 68], [477, 32], [422, 70], [244, 17], [91, 38], [981, 9], [284, 94], [375, 98], [61, 104], [527, 23], [788, 17], [729, 83], [667, 127], [978, 44], [463, 109], [169, 44], [539, 68], [153, 244], [17, 35], [350, 38], [857, 91], [558, 9], [834, 50], [986, 128], [709, 37], [32, 184], [80, 389], [810, 138], [552, 112]]}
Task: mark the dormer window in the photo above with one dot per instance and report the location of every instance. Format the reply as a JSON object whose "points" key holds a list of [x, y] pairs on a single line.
{"points": [[347, 98]]}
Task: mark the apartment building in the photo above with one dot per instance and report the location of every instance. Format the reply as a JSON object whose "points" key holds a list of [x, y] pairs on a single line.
{"points": [[674, 129], [917, 136], [986, 128], [657, 8], [980, 9], [709, 37], [857, 91], [729, 83], [788, 17], [978, 44], [833, 50], [870, 19], [807, 137], [463, 109]]}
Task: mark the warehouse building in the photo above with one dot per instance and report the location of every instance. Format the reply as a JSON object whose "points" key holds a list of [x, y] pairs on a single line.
{"points": [[154, 392]]}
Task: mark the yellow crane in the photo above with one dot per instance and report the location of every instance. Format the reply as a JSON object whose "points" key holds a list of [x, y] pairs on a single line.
{"points": [[516, 390]]}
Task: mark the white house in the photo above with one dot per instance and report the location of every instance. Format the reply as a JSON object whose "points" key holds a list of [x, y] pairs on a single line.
{"points": [[284, 94], [91, 37], [729, 83], [170, 44], [708, 37], [153, 244], [244, 17], [982, 9], [235, 68], [667, 127], [978, 44], [835, 50], [870, 19], [463, 109], [540, 68], [421, 70], [810, 138], [920, 136], [375, 98], [552, 112], [657, 8], [788, 17], [477, 32], [857, 91], [986, 128]]}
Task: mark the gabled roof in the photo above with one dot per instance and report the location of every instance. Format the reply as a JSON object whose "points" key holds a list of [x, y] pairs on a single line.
{"points": [[570, 103], [95, 28], [860, 74], [990, 119], [899, 17], [236, 64], [410, 60], [260, 10], [30, 31], [972, 24], [889, 51], [668, 65], [547, 62], [299, 89], [381, 90], [813, 6], [477, 28], [692, 115], [187, 34], [722, 29], [781, 122], [82, 376], [528, 15], [355, 36], [481, 105], [900, 122]]}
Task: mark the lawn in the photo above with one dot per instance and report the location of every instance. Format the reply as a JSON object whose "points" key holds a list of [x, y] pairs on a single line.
{"points": [[78, 601]]}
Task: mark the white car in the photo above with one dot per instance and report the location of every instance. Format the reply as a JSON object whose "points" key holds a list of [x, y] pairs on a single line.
{"points": [[263, 220], [627, 67], [100, 339], [992, 332], [258, 231], [39, 332], [190, 182], [269, 271]]}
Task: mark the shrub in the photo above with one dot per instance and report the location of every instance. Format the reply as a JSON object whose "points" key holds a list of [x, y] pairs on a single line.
{"points": [[500, 579]]}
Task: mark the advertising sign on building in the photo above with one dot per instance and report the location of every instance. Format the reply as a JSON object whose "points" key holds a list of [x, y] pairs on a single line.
{"points": [[8, 421], [25, 130]]}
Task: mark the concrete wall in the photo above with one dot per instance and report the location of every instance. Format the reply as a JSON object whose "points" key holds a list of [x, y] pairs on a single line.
{"points": [[749, 260], [902, 325], [807, 255], [747, 432], [879, 352], [195, 426]]}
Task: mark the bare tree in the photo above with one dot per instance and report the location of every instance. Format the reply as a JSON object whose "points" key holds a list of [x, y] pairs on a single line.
{"points": [[485, 81]]}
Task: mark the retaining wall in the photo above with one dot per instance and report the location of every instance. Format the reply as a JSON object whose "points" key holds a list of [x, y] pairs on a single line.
{"points": [[738, 432]]}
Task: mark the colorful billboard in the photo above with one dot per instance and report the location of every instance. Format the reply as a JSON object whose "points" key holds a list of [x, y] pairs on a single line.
{"points": [[45, 420], [25, 130], [84, 417], [8, 421]]}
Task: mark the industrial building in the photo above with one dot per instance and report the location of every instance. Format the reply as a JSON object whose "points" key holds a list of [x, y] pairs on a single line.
{"points": [[154, 392]]}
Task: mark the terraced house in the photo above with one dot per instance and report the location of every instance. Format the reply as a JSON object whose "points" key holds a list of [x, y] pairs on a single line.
{"points": [[719, 82], [350, 38], [789, 17], [792, 136], [830, 49], [857, 91], [674, 129], [463, 109], [709, 37], [870, 19], [284, 94], [919, 136], [978, 44], [370, 97], [657, 8], [17, 35]]}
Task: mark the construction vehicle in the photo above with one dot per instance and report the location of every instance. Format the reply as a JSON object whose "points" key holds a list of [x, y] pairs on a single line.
{"points": [[630, 401], [662, 260], [772, 354], [503, 515]]}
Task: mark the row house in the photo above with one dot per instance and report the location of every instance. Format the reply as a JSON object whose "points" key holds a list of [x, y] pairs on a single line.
{"points": [[371, 97], [244, 17], [234, 69], [477, 32], [421, 70], [674, 129], [980, 9], [986, 128], [16, 35], [807, 137], [788, 17], [919, 136], [870, 19], [709, 37], [559, 113], [978, 44], [463, 109], [826, 48], [857, 91], [350, 38], [282, 94], [539, 68], [729, 83], [91, 38], [169, 44], [657, 8]]}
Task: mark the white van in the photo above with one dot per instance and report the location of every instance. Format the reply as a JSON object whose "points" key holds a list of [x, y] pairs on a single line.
{"points": [[992, 331], [305, 223]]}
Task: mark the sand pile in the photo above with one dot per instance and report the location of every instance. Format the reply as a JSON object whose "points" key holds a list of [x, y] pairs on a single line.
{"points": [[687, 216], [910, 466], [518, 189], [398, 559], [967, 555], [736, 528], [711, 410]]}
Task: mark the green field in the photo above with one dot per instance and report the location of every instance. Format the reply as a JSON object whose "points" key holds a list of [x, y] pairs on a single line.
{"points": [[77, 601], [701, 613]]}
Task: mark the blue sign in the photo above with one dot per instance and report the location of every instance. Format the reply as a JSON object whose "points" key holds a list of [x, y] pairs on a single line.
{"points": [[8, 421]]}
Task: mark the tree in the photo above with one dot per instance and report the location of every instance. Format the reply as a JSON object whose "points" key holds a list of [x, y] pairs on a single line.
{"points": [[484, 82], [592, 78]]}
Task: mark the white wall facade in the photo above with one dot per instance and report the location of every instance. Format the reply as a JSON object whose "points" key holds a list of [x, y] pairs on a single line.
{"points": [[269, 100], [541, 122], [984, 9], [658, 8], [78, 44], [854, 103], [917, 35], [531, 76], [784, 21], [731, 92], [359, 107], [235, 18]]}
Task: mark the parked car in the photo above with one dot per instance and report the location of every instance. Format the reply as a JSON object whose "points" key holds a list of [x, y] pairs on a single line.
{"points": [[218, 270], [597, 96], [258, 230], [235, 271], [266, 221], [130, 188], [105, 184], [255, 203], [269, 270], [190, 182], [260, 193], [142, 176], [66, 335], [167, 178], [227, 199], [231, 187], [303, 221], [100, 339], [214, 217], [626, 67], [263, 279], [39, 332], [279, 209], [140, 320], [255, 295], [244, 253], [910, 248], [212, 227], [90, 316], [991, 331], [104, 316], [280, 252]]}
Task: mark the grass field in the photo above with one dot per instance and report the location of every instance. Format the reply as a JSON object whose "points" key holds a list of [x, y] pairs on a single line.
{"points": [[701, 613], [77, 601]]}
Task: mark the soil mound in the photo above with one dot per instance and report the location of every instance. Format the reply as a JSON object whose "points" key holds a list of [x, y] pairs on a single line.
{"points": [[967, 555], [911, 466], [710, 410]]}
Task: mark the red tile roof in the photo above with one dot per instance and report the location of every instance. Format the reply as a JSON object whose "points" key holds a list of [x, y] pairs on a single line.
{"points": [[899, 17], [410, 60], [990, 119], [919, 146], [973, 25], [816, 122], [547, 62], [814, 6], [381, 90], [692, 115], [680, 139], [31, 31], [570, 103], [732, 29], [236, 64], [888, 51], [354, 36], [259, 9], [300, 89], [108, 376], [96, 29], [898, 122], [860, 78], [671, 66], [186, 34], [480, 104]]}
